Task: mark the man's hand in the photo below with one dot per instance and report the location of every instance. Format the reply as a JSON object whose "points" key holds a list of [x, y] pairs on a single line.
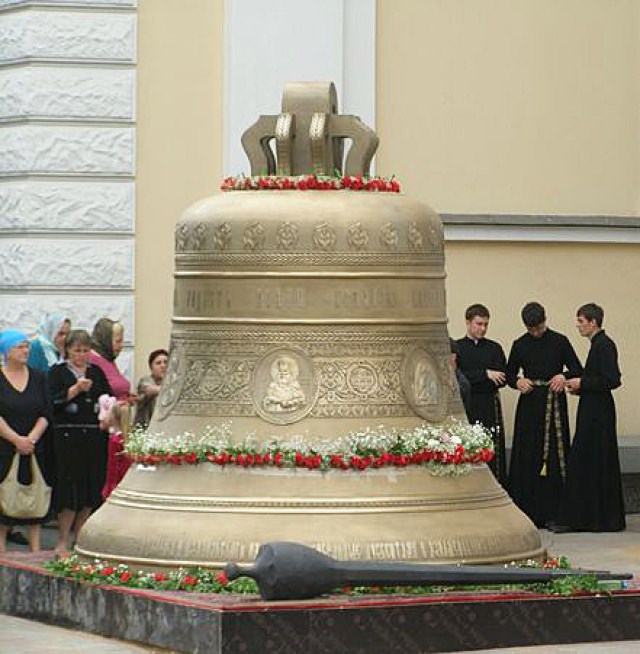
{"points": [[496, 376], [524, 385], [557, 383], [572, 385]]}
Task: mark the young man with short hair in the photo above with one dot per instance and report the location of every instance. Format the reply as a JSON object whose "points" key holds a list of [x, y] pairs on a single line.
{"points": [[593, 494], [539, 364], [483, 363]]}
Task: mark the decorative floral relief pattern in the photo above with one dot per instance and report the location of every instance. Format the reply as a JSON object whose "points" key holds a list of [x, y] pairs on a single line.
{"points": [[222, 236], [324, 237], [287, 235], [87, 206], [389, 236], [415, 237], [357, 236], [253, 237]]}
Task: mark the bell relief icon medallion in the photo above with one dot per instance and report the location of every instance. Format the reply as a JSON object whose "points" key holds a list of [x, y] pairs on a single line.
{"points": [[285, 386], [173, 382], [423, 386]]}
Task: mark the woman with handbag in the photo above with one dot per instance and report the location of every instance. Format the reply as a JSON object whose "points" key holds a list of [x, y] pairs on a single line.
{"points": [[25, 415], [79, 443]]}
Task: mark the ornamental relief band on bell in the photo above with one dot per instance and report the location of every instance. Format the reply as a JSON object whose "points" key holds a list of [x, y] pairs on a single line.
{"points": [[200, 237], [285, 385]]}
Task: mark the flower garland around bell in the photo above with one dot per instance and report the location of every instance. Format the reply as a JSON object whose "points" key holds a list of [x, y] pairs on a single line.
{"points": [[445, 450], [310, 183], [206, 580]]}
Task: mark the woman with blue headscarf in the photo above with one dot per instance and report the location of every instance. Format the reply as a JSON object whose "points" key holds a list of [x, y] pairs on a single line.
{"points": [[25, 416], [47, 346]]}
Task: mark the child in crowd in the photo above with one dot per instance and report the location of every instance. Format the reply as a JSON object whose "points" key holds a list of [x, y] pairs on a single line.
{"points": [[112, 416]]}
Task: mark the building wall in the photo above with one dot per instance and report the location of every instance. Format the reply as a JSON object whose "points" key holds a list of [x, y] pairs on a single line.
{"points": [[520, 109], [180, 144], [67, 168], [511, 106]]}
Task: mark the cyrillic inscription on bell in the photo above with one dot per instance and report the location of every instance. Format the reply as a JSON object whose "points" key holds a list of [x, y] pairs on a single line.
{"points": [[310, 329]]}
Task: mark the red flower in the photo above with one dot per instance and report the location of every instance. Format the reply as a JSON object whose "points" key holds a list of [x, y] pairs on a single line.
{"points": [[105, 572], [336, 461], [190, 580], [158, 576], [125, 576], [222, 578]]}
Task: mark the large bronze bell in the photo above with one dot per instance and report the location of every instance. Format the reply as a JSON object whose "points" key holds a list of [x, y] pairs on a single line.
{"points": [[309, 315]]}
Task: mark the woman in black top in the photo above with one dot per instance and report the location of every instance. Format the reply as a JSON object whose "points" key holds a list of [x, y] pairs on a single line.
{"points": [[80, 446], [25, 415]]}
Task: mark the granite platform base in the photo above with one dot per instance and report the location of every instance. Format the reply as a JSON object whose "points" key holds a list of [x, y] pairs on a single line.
{"points": [[230, 624]]}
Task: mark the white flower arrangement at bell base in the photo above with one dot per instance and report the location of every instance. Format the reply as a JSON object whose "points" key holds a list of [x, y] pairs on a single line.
{"points": [[445, 450]]}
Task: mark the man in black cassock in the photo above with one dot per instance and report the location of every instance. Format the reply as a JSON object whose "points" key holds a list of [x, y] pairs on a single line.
{"points": [[463, 383], [593, 494], [483, 363], [539, 363]]}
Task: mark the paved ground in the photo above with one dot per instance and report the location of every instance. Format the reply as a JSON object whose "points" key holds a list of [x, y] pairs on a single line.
{"points": [[618, 552]]}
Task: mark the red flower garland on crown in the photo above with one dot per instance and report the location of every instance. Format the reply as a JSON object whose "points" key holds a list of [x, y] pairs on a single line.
{"points": [[310, 183]]}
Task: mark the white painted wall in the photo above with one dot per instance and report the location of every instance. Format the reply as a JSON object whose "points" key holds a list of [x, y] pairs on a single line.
{"points": [[270, 43]]}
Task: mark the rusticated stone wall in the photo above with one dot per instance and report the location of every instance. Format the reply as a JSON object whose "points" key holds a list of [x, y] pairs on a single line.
{"points": [[67, 170]]}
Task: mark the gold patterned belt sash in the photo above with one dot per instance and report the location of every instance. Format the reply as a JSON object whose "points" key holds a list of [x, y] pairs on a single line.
{"points": [[551, 416], [499, 427]]}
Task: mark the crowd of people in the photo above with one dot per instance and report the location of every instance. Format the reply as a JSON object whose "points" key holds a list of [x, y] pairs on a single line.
{"points": [[65, 407], [561, 484]]}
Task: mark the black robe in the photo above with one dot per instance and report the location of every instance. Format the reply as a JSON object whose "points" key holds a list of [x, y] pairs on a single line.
{"points": [[593, 493], [474, 359], [541, 430]]}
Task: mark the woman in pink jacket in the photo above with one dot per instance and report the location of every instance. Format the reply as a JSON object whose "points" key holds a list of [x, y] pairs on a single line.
{"points": [[107, 340]]}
